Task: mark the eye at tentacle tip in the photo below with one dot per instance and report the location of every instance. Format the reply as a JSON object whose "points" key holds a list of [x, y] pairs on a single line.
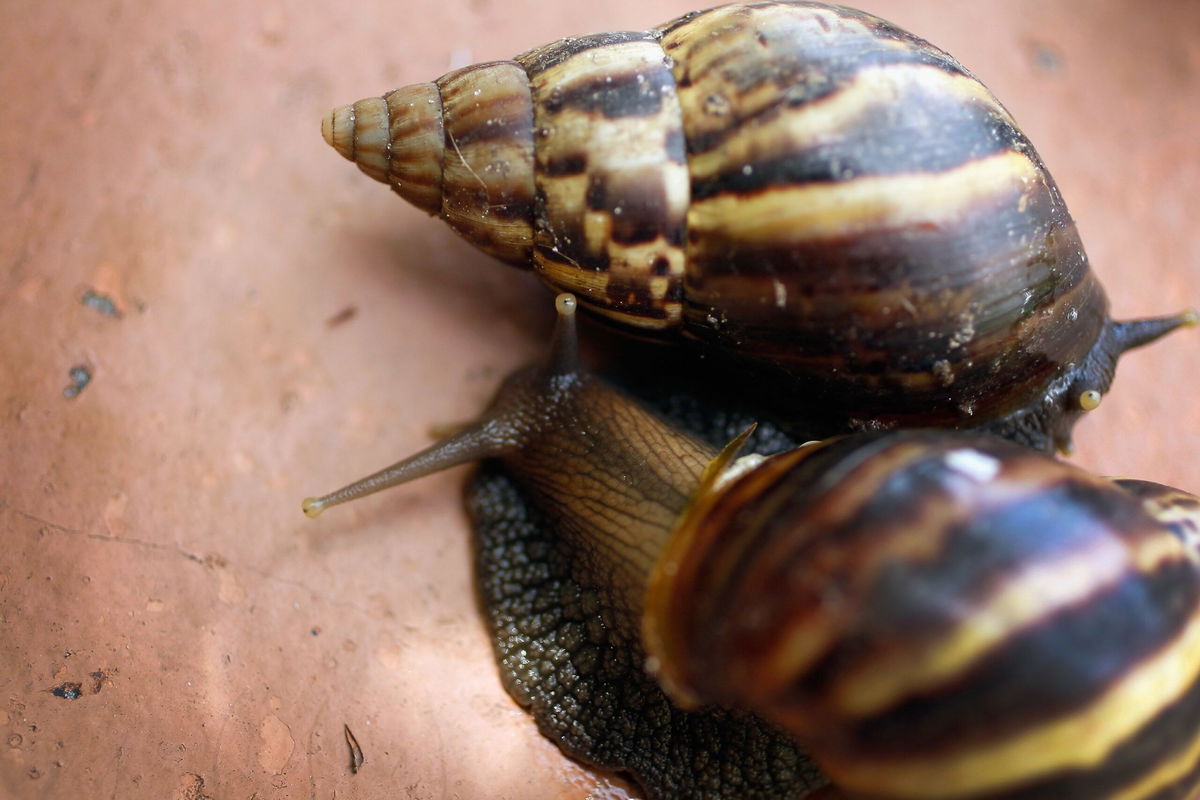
{"points": [[565, 303], [1090, 400], [312, 507], [564, 347]]}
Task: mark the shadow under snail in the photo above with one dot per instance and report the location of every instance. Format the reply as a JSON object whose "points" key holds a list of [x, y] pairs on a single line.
{"points": [[927, 614], [803, 190]]}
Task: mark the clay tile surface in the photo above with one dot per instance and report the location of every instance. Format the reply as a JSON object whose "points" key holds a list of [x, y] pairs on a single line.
{"points": [[206, 314]]}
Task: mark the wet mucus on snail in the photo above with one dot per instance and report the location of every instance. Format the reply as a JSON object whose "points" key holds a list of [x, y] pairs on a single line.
{"points": [[806, 192], [926, 614]]}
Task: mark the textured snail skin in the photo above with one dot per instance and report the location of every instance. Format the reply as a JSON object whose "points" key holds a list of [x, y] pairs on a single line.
{"points": [[945, 616], [835, 203], [569, 654]]}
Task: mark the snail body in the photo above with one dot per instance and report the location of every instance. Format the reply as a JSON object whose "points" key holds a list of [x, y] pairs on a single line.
{"points": [[929, 614], [832, 202]]}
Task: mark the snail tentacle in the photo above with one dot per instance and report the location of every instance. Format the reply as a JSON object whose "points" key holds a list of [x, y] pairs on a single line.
{"points": [[1133, 333], [480, 440], [502, 429]]}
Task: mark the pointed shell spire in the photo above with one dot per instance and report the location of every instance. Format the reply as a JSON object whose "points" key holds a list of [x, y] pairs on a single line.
{"points": [[396, 139], [460, 148]]}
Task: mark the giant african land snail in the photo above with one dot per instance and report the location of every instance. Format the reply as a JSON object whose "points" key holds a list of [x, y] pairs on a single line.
{"points": [[834, 204]]}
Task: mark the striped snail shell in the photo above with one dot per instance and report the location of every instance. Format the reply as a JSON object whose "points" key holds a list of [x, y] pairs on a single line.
{"points": [[927, 609], [832, 202], [930, 614]]}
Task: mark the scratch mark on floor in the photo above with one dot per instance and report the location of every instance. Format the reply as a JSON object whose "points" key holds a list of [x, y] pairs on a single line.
{"points": [[54, 527], [101, 537]]}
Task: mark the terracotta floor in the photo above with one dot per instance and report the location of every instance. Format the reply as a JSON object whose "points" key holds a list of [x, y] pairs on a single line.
{"points": [[260, 322]]}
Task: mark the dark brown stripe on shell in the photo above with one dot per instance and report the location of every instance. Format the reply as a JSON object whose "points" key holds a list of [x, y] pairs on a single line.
{"points": [[879, 306], [557, 166], [1171, 732], [508, 203], [498, 115], [488, 183], [680, 21], [634, 298], [597, 262], [918, 378], [1157, 491], [973, 557], [612, 181], [540, 59], [504, 124], [1177, 510], [1057, 666], [417, 147], [1045, 673], [920, 132], [637, 93], [981, 243], [803, 60], [515, 206], [715, 578], [637, 203]]}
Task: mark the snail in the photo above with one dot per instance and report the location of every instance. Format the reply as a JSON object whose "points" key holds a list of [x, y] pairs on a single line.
{"points": [[927, 614], [805, 191]]}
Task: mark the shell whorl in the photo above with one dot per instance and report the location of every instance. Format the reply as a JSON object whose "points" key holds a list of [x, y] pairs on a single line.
{"points": [[863, 207], [1004, 587], [460, 147], [396, 139]]}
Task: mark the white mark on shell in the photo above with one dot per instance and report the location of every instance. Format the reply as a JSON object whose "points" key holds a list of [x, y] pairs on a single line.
{"points": [[780, 294], [975, 465], [944, 372]]}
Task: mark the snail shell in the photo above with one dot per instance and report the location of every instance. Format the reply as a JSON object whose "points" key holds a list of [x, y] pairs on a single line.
{"points": [[929, 614], [834, 203], [925, 609]]}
